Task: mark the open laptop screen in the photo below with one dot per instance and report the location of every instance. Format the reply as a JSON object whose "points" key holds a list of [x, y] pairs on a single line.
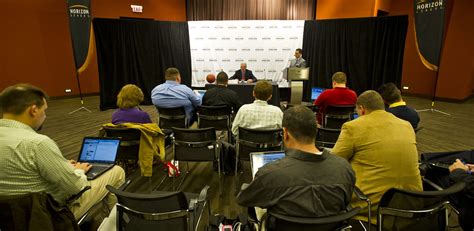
{"points": [[99, 150], [315, 92], [259, 159]]}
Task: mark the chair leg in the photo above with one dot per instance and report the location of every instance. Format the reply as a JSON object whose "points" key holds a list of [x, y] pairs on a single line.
{"points": [[184, 177]]}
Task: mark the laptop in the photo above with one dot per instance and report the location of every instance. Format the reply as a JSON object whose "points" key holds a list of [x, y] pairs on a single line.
{"points": [[200, 93], [259, 159], [100, 152], [315, 92]]}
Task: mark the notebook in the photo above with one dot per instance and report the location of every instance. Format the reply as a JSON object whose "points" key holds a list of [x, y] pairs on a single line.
{"points": [[315, 92], [100, 152], [259, 159]]}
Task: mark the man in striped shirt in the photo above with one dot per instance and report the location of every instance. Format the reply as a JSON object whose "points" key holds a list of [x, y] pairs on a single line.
{"points": [[32, 163]]}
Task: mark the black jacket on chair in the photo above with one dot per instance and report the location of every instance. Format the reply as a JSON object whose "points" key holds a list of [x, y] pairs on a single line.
{"points": [[35, 211]]}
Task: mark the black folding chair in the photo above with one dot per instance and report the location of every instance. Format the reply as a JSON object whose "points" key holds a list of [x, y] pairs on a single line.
{"points": [[278, 222], [169, 118], [256, 140], [411, 210], [327, 137], [196, 145], [160, 210], [336, 115], [218, 117], [127, 156]]}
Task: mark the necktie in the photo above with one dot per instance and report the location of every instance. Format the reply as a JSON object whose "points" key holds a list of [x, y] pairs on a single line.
{"points": [[243, 75]]}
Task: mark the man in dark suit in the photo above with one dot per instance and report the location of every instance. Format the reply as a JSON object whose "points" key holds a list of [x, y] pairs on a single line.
{"points": [[244, 75]]}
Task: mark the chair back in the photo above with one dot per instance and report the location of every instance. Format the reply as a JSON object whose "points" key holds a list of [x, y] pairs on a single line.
{"points": [[336, 115], [277, 222], [258, 140], [194, 144], [172, 117], [155, 211], [218, 117], [129, 141], [327, 137], [410, 210]]}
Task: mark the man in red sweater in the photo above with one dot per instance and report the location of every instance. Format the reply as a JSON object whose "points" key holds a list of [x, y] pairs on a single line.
{"points": [[338, 95]]}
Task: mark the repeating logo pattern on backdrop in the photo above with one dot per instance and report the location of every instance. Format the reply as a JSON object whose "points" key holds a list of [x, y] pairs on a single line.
{"points": [[266, 47]]}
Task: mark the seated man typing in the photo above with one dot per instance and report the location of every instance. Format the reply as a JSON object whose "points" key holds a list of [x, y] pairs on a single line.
{"points": [[32, 163], [307, 182]]}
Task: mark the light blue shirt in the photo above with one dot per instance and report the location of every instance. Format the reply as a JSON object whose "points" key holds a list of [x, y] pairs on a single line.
{"points": [[172, 94]]}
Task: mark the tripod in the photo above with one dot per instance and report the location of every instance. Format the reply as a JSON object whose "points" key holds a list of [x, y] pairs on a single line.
{"points": [[432, 109], [80, 95]]}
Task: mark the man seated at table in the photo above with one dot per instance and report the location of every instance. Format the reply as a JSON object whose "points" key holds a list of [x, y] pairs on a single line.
{"points": [[32, 162], [174, 94], [382, 151], [307, 182], [392, 96], [259, 114], [221, 95], [340, 94], [243, 74]]}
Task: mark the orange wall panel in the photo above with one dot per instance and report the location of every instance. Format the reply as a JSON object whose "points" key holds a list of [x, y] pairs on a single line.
{"points": [[36, 43], [331, 9]]}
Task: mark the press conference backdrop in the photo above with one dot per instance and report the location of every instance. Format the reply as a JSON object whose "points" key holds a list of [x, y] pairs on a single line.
{"points": [[265, 45]]}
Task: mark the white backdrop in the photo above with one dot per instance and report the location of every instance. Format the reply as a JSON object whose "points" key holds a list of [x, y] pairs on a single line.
{"points": [[265, 45]]}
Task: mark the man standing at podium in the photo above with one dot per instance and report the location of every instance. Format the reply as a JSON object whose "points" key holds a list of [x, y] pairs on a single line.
{"points": [[298, 61], [243, 74]]}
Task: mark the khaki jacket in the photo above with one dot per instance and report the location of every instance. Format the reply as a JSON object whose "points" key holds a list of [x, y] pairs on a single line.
{"points": [[382, 151]]}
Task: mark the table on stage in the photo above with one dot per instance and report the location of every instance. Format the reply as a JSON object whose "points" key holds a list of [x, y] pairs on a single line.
{"points": [[245, 92]]}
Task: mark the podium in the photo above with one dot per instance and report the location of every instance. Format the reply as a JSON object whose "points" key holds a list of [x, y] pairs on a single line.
{"points": [[296, 76]]}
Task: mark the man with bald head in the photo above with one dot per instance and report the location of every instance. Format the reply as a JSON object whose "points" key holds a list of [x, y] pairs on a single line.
{"points": [[381, 149]]}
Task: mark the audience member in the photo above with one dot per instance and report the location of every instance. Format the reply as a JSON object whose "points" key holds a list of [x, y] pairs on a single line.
{"points": [[221, 95], [128, 99], [461, 172], [298, 61], [244, 74], [338, 95], [174, 94], [307, 182], [382, 150], [32, 163], [392, 96], [259, 114]]}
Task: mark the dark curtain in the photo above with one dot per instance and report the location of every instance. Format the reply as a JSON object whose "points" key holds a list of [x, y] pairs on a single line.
{"points": [[250, 9], [139, 52], [368, 50]]}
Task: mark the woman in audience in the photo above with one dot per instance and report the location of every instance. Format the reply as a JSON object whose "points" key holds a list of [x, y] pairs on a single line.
{"points": [[128, 99]]}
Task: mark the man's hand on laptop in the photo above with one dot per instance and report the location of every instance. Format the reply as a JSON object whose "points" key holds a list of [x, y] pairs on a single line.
{"points": [[84, 166]]}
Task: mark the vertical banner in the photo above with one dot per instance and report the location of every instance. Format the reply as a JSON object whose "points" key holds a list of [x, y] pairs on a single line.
{"points": [[429, 30], [79, 24], [265, 45]]}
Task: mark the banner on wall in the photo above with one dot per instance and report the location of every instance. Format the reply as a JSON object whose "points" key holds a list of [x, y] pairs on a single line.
{"points": [[265, 45], [429, 30], [79, 24]]}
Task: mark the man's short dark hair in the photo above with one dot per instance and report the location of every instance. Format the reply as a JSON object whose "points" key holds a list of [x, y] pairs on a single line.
{"points": [[339, 77], [263, 90], [301, 123], [222, 78], [390, 93], [299, 50], [17, 98], [371, 100], [171, 73]]}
